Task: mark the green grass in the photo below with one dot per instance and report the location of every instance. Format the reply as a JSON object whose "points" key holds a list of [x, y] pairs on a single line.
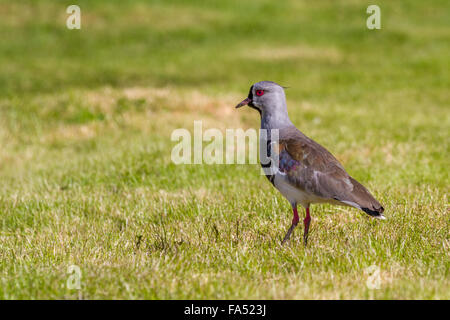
{"points": [[86, 177]]}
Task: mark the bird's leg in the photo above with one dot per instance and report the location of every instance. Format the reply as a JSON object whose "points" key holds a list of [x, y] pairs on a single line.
{"points": [[306, 222], [294, 224]]}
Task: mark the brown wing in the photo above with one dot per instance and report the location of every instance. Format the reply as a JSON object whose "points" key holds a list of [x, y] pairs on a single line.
{"points": [[312, 168]]}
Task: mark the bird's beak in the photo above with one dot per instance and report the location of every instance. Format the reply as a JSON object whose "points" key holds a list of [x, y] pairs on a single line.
{"points": [[244, 102]]}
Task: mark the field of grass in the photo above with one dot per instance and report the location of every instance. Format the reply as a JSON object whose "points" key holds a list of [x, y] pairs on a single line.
{"points": [[86, 176]]}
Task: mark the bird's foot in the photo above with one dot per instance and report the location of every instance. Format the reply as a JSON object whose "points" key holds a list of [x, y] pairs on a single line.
{"points": [[306, 222], [288, 234]]}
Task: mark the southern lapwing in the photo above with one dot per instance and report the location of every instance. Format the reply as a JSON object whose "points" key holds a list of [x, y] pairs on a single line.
{"points": [[306, 172]]}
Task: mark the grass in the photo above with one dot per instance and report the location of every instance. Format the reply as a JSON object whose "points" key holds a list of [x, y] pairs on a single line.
{"points": [[86, 176]]}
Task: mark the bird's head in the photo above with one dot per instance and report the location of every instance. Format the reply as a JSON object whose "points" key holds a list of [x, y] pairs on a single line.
{"points": [[263, 96]]}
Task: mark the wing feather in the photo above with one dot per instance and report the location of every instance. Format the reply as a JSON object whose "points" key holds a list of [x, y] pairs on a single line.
{"points": [[313, 169]]}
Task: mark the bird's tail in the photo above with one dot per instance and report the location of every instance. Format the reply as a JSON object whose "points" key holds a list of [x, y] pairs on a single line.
{"points": [[362, 199]]}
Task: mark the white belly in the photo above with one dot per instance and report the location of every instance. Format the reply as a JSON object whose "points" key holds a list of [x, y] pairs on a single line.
{"points": [[293, 194]]}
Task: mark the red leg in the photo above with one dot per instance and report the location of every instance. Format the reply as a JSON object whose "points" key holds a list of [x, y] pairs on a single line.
{"points": [[306, 222], [295, 220]]}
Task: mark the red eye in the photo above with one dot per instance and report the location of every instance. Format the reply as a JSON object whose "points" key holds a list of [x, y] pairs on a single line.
{"points": [[259, 92]]}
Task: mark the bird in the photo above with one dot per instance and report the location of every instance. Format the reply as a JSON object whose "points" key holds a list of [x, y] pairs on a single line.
{"points": [[305, 173]]}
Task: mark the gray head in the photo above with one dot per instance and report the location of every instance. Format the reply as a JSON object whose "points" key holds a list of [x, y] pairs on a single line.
{"points": [[266, 97]]}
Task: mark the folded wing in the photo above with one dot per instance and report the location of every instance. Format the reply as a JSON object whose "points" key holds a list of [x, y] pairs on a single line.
{"points": [[313, 169]]}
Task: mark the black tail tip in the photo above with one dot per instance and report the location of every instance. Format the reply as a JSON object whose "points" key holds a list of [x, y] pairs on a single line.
{"points": [[374, 213]]}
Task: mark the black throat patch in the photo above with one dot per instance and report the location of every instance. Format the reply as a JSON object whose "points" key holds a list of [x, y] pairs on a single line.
{"points": [[251, 105]]}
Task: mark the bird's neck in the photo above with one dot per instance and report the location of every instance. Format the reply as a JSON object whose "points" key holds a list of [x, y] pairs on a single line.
{"points": [[275, 117]]}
